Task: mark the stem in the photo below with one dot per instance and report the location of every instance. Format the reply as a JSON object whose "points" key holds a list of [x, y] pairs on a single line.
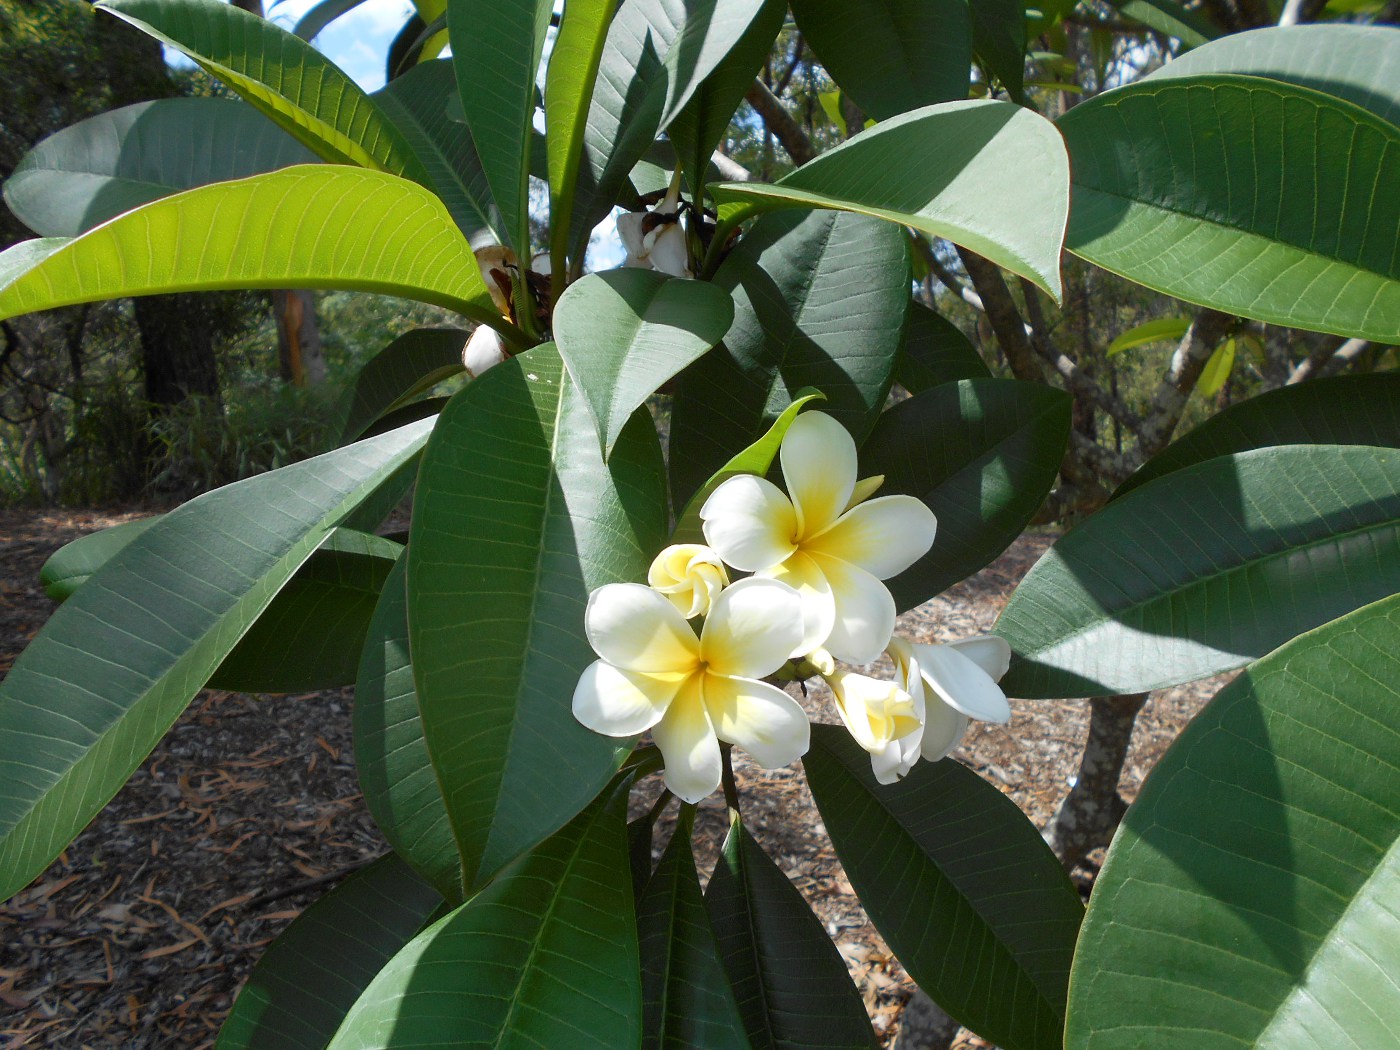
{"points": [[731, 789], [722, 231]]}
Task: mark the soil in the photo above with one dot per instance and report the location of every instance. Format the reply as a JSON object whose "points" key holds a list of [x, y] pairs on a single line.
{"points": [[140, 934]]}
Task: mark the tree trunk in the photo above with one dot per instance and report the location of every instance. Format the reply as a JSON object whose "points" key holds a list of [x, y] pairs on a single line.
{"points": [[299, 355]]}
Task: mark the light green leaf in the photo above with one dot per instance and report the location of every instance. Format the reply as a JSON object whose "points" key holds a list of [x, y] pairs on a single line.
{"points": [[304, 984], [545, 956], [819, 302], [282, 75], [791, 984], [1250, 898], [891, 56], [412, 364], [949, 868], [417, 102], [982, 454], [990, 176], [496, 49], [391, 758], [756, 459], [96, 169], [1206, 569], [322, 15], [1358, 63], [935, 351], [117, 663], [625, 332], [1162, 329], [686, 998], [1217, 370], [1250, 196], [517, 519], [311, 226], [999, 39], [1346, 410]]}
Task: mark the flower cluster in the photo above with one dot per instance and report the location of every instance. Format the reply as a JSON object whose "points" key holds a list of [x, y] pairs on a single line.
{"points": [[816, 558]]}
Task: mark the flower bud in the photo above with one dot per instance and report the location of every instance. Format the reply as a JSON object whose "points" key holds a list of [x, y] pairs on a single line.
{"points": [[495, 261], [690, 575], [483, 350]]}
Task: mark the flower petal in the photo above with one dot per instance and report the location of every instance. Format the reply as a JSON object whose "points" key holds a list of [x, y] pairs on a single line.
{"points": [[750, 522], [668, 252], [615, 702], [943, 730], [629, 228], [883, 536], [762, 719], [484, 349], [819, 466], [962, 684], [803, 575], [865, 488], [864, 612], [752, 628], [637, 629], [687, 741], [691, 575], [988, 651]]}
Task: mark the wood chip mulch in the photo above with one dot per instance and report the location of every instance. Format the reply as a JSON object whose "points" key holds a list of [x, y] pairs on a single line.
{"points": [[140, 934]]}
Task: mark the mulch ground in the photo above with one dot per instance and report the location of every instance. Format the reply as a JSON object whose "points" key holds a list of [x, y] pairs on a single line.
{"points": [[140, 934]]}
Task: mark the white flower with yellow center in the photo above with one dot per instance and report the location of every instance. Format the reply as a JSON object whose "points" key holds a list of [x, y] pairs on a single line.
{"points": [[692, 692], [691, 575], [829, 541], [880, 715], [949, 685]]}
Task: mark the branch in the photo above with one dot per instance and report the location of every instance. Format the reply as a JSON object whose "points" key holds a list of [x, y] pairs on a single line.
{"points": [[1192, 353], [1346, 355], [730, 168], [779, 121], [1311, 366], [1002, 315], [936, 267]]}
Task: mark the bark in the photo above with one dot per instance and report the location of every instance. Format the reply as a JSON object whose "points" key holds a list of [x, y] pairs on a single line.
{"points": [[299, 355], [1168, 403], [1003, 316], [923, 1025], [780, 122], [177, 356]]}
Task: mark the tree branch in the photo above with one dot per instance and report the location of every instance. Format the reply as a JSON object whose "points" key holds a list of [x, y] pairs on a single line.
{"points": [[944, 275], [779, 121], [1324, 360], [1192, 353], [1002, 315]]}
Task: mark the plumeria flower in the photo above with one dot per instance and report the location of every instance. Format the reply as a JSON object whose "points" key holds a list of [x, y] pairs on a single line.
{"points": [[496, 262], [692, 692], [829, 541], [656, 239], [949, 685], [691, 575], [879, 714], [484, 349]]}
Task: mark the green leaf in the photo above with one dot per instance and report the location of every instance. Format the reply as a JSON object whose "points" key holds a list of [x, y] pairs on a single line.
{"points": [[545, 956], [310, 636], [982, 454], [891, 56], [573, 68], [793, 990], [391, 756], [1250, 196], [819, 302], [623, 333], [311, 226], [1162, 329], [1250, 898], [304, 984], [117, 663], [990, 176], [1217, 370], [950, 869], [999, 38], [417, 102], [96, 169], [496, 49], [524, 520], [282, 75], [1170, 18], [756, 459], [1346, 410], [322, 15], [702, 122], [935, 351], [411, 365], [1360, 64], [686, 998], [69, 567], [1205, 570]]}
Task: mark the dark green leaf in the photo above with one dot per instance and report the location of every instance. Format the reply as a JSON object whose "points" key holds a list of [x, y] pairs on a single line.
{"points": [[304, 984], [982, 454], [623, 333], [1191, 186], [412, 364], [792, 987], [117, 663], [545, 956], [391, 757], [1206, 569], [1170, 18], [322, 15], [1346, 410], [891, 56], [819, 301], [517, 520], [935, 351], [999, 38], [69, 567], [96, 169], [950, 870], [1250, 898]]}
